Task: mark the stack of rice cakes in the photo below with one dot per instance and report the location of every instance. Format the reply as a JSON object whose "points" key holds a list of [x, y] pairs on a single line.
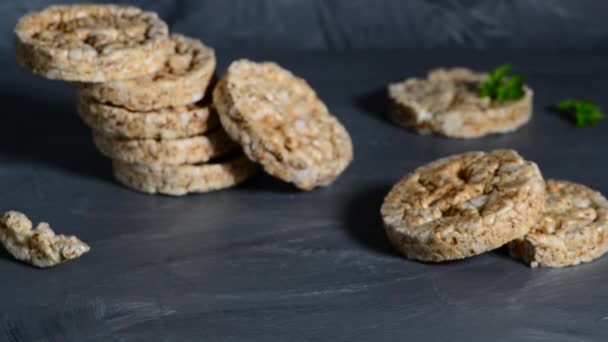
{"points": [[159, 133], [141, 91], [147, 97]]}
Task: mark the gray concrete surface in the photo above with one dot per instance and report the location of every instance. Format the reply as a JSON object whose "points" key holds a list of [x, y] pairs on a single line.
{"points": [[264, 262]]}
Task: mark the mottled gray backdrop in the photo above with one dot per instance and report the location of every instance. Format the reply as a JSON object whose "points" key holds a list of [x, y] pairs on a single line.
{"points": [[346, 24]]}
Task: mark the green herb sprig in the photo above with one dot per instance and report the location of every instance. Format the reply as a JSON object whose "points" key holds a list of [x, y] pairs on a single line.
{"points": [[584, 112], [501, 90]]}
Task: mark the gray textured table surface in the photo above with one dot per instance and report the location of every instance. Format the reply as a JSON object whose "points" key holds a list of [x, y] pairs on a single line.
{"points": [[265, 262]]}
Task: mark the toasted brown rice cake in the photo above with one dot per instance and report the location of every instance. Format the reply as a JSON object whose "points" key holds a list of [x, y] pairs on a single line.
{"points": [[92, 43], [183, 80], [572, 230], [191, 150], [463, 205], [165, 123], [177, 180], [281, 124], [447, 103]]}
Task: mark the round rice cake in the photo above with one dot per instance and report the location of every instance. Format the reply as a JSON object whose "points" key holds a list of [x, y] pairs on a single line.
{"points": [[572, 230], [177, 180], [463, 205], [281, 124], [165, 123], [192, 150], [447, 103], [183, 80], [92, 43]]}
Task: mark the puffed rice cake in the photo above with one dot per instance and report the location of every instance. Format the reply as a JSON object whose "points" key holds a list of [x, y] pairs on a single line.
{"points": [[92, 43], [183, 80], [178, 180], [281, 124], [572, 230], [191, 150], [166, 123], [447, 103], [463, 205]]}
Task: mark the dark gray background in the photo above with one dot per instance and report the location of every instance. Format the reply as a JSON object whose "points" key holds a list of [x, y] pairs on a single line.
{"points": [[340, 24], [265, 262]]}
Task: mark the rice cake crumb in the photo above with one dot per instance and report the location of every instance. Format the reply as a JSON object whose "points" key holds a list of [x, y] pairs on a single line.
{"points": [[40, 246]]}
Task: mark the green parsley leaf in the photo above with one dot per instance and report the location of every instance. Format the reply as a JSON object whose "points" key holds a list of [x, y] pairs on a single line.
{"points": [[584, 112], [500, 72], [497, 88]]}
